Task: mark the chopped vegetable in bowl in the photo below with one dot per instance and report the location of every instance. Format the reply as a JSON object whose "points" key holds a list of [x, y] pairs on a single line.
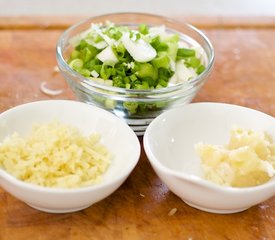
{"points": [[143, 58], [132, 69]]}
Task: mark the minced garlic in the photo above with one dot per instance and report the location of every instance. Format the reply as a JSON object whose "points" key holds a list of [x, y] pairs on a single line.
{"points": [[248, 159]]}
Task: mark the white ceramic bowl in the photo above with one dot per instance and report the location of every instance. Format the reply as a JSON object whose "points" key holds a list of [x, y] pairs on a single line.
{"points": [[169, 144], [116, 135]]}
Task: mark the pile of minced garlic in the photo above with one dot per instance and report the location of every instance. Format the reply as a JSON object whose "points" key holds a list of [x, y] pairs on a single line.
{"points": [[248, 159], [55, 155]]}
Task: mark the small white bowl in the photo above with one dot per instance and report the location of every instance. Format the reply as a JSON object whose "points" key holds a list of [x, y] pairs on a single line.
{"points": [[116, 135], [169, 144]]}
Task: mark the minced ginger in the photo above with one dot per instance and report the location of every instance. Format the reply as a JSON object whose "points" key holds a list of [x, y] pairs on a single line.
{"points": [[55, 155], [248, 159]]}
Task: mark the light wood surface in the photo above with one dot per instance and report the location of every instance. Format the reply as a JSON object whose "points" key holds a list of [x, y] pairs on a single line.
{"points": [[244, 74]]}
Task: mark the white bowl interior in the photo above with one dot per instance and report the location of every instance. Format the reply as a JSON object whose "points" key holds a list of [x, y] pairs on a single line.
{"points": [[116, 135], [88, 119]]}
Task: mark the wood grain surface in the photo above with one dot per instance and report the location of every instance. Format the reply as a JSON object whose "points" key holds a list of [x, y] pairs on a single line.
{"points": [[244, 74]]}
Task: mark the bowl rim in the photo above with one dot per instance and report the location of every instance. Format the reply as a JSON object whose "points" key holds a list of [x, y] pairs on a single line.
{"points": [[7, 177], [159, 166], [63, 64]]}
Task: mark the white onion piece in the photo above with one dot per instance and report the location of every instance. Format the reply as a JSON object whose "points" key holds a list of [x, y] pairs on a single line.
{"points": [[140, 50], [107, 55], [51, 92]]}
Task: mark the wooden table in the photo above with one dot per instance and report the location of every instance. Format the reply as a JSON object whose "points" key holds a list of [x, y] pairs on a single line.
{"points": [[244, 74]]}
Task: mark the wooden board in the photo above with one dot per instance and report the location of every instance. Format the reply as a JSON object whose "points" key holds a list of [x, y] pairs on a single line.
{"points": [[243, 74]]}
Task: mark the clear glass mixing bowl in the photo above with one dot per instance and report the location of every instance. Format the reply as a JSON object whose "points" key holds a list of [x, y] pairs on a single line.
{"points": [[150, 103]]}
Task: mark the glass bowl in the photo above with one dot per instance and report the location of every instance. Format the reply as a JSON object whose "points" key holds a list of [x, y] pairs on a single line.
{"points": [[149, 103]]}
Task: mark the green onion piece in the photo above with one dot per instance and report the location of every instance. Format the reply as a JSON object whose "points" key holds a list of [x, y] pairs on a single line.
{"points": [[91, 65], [127, 80], [158, 45], [142, 107], [163, 83], [137, 36], [120, 50], [143, 28], [151, 82], [134, 35], [97, 68], [118, 82], [172, 42], [75, 54], [172, 50], [155, 42], [136, 84], [147, 70], [81, 45], [193, 62], [106, 71], [160, 104], [114, 33], [98, 99], [84, 72], [86, 54], [93, 51], [96, 38], [185, 52], [76, 64], [110, 104], [165, 73], [131, 107], [200, 69], [120, 70], [174, 38], [133, 77], [162, 47], [161, 62], [145, 85]]}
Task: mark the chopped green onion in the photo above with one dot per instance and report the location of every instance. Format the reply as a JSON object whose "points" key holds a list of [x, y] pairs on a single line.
{"points": [[86, 54], [75, 54], [200, 69], [193, 62], [81, 45], [131, 107], [84, 72], [141, 59], [110, 104], [133, 77], [143, 28], [161, 62], [106, 71], [76, 64], [147, 70], [185, 52]]}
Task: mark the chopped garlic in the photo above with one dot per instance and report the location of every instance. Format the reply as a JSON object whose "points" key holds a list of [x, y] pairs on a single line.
{"points": [[247, 160]]}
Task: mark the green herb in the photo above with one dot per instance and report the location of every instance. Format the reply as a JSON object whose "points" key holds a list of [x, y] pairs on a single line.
{"points": [[124, 65]]}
